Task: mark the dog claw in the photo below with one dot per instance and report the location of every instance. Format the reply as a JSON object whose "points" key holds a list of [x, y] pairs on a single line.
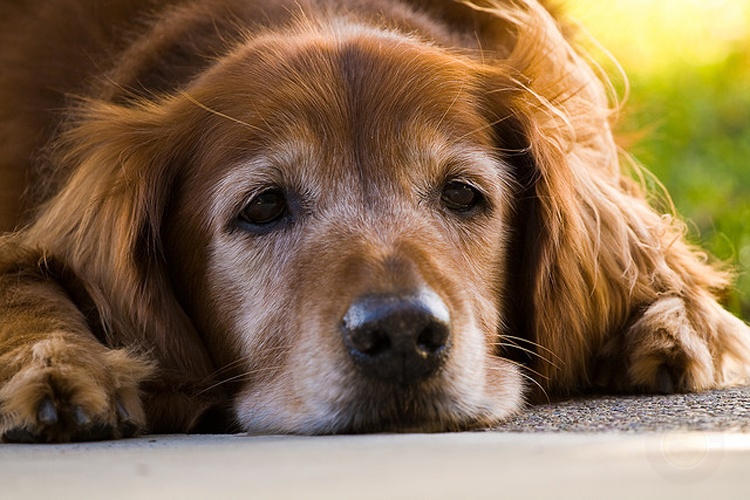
{"points": [[126, 425], [47, 413], [122, 412], [664, 380], [80, 417]]}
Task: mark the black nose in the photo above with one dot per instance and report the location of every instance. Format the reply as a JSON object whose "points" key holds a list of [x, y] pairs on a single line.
{"points": [[398, 338]]}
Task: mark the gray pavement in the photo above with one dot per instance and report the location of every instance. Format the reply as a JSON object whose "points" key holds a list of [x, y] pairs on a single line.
{"points": [[685, 446], [726, 410]]}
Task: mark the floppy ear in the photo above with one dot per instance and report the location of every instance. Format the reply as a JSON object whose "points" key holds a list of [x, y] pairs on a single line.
{"points": [[589, 255], [104, 226]]}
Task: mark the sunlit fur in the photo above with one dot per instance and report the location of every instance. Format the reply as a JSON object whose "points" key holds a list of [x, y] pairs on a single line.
{"points": [[127, 250]]}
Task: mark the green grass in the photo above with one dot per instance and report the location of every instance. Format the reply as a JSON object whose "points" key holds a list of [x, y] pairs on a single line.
{"points": [[688, 64]]}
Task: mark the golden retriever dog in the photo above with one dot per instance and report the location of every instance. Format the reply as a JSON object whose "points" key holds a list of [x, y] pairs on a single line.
{"points": [[325, 216]]}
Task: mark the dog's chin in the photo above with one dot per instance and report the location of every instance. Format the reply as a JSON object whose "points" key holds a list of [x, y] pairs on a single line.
{"points": [[413, 419], [372, 406]]}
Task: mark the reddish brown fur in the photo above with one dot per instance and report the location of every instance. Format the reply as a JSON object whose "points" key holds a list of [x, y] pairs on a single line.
{"points": [[131, 298]]}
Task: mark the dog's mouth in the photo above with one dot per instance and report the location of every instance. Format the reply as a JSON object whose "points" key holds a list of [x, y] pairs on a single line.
{"points": [[355, 403], [412, 408], [394, 363]]}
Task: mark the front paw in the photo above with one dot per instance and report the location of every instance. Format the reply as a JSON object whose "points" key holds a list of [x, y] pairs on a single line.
{"points": [[65, 391], [661, 352]]}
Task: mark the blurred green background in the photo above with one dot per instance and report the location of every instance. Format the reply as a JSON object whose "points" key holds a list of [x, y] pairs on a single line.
{"points": [[687, 118]]}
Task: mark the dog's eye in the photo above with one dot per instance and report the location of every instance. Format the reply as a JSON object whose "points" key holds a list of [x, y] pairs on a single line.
{"points": [[266, 208], [460, 197]]}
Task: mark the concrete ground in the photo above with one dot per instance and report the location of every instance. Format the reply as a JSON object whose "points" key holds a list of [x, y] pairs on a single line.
{"points": [[726, 410], [686, 446]]}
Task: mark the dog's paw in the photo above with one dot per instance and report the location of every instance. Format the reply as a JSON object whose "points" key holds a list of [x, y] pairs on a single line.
{"points": [[665, 352], [661, 352], [62, 391]]}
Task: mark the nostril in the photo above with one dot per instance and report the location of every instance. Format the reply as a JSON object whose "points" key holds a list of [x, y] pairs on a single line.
{"points": [[370, 342], [432, 339]]}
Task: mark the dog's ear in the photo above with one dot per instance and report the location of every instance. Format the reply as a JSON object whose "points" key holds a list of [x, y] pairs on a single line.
{"points": [[588, 251], [549, 117], [104, 226]]}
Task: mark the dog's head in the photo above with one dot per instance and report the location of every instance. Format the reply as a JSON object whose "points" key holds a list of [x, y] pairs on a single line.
{"points": [[352, 216], [351, 224]]}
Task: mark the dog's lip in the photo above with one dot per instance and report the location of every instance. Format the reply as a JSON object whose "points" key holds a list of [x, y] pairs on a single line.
{"points": [[402, 420]]}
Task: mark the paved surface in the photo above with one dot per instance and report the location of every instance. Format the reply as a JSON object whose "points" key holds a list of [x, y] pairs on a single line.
{"points": [[685, 446], [713, 411]]}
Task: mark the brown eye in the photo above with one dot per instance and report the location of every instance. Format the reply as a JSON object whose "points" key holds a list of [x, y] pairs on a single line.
{"points": [[266, 208], [460, 197]]}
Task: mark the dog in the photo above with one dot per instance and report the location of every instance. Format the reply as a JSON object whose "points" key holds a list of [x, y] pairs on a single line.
{"points": [[325, 216]]}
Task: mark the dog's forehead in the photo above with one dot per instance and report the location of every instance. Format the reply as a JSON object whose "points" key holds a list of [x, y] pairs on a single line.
{"points": [[375, 115], [360, 94]]}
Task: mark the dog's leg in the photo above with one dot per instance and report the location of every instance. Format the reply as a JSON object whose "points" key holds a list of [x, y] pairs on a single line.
{"points": [[676, 345], [57, 381]]}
